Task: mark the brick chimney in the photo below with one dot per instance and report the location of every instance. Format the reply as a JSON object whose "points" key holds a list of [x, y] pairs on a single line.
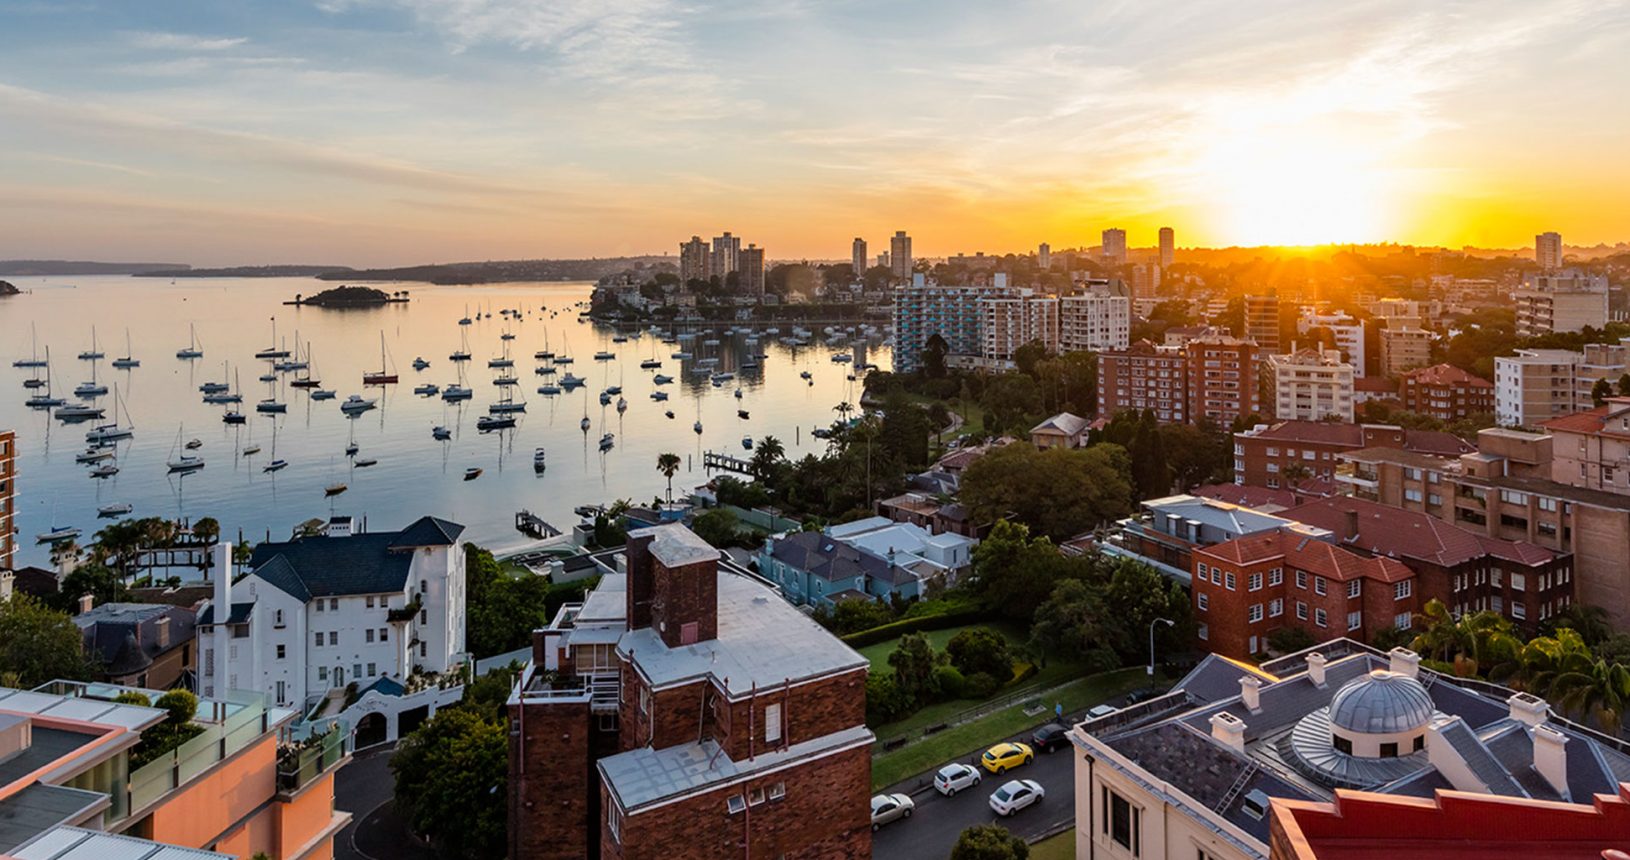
{"points": [[673, 584], [1352, 525], [87, 602], [636, 559]]}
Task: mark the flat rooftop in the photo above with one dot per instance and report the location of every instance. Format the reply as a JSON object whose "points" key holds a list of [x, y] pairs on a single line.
{"points": [[76, 843], [646, 775]]}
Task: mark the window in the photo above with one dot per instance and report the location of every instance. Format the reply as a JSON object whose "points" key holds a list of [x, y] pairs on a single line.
{"points": [[1276, 576], [1320, 618], [1546, 504], [333, 637], [1216, 576], [1204, 571], [756, 796], [1518, 582], [384, 634], [424, 616], [1276, 607], [370, 602], [1228, 580], [614, 823], [282, 692], [282, 651], [319, 637], [319, 605], [1254, 613], [1402, 620], [334, 604], [1202, 601], [772, 723], [1412, 495], [1353, 588], [1403, 589], [778, 791], [1121, 822], [1341, 744], [356, 670], [1355, 620], [1420, 743], [734, 804], [1319, 585], [1301, 610], [424, 650], [1519, 610], [1301, 579], [368, 635], [645, 700], [277, 618], [1254, 582], [1389, 750], [1204, 631], [322, 673], [373, 669]]}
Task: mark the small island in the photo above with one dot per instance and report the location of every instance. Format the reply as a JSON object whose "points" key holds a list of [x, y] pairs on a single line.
{"points": [[350, 297], [8, 289]]}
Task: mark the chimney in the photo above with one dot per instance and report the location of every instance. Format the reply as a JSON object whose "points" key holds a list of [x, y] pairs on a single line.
{"points": [[1250, 693], [1405, 662], [1315, 669], [1352, 524], [220, 561], [1528, 709], [1228, 729], [1550, 758], [223, 632], [163, 625], [87, 602]]}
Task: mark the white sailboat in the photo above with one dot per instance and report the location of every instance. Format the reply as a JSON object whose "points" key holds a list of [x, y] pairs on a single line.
{"points": [[94, 353], [128, 360], [273, 351], [180, 460], [109, 433], [192, 349], [33, 359], [46, 400]]}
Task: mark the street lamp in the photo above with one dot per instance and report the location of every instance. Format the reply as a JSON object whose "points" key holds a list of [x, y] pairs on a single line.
{"points": [[1169, 623]]}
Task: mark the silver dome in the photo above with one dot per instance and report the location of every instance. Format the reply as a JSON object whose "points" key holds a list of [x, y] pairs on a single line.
{"points": [[1381, 702]]}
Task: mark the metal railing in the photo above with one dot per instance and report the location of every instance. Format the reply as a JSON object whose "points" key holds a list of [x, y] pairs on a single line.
{"points": [[299, 763]]}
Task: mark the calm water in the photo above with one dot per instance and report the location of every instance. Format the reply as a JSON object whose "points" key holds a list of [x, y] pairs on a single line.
{"points": [[415, 474]]}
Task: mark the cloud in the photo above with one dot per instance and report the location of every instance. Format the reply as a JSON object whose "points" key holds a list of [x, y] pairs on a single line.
{"points": [[159, 41]]}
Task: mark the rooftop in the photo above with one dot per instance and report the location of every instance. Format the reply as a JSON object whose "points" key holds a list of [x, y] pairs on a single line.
{"points": [[1063, 423], [677, 546], [1317, 556], [1384, 530], [762, 640], [76, 843], [362, 563], [1594, 421], [1355, 436], [1447, 374], [646, 775]]}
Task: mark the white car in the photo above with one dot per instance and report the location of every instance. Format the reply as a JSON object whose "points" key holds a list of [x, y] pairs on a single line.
{"points": [[954, 777], [889, 807], [1101, 711], [1016, 795]]}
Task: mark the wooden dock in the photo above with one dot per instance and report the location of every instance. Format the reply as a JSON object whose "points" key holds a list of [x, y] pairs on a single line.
{"points": [[726, 463], [532, 525]]}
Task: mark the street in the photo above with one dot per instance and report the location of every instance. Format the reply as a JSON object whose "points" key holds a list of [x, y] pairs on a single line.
{"points": [[364, 788], [934, 826]]}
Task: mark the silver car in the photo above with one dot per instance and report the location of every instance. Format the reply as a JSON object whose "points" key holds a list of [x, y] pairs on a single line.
{"points": [[888, 807], [954, 777]]}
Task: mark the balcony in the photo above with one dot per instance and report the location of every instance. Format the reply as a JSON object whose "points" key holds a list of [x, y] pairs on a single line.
{"points": [[1367, 479], [303, 757]]}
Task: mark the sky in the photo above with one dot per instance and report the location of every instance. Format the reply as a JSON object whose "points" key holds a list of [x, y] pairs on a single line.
{"points": [[394, 132]]}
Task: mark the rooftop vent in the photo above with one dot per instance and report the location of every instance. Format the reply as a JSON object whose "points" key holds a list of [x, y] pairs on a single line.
{"points": [[1256, 803]]}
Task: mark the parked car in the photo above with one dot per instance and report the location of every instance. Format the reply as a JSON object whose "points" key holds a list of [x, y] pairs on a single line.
{"points": [[1016, 795], [954, 777], [889, 807], [1101, 711], [999, 758], [1053, 736], [1143, 695]]}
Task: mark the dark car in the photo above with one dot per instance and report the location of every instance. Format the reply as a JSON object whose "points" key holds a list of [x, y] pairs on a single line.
{"points": [[1050, 737], [1143, 695]]}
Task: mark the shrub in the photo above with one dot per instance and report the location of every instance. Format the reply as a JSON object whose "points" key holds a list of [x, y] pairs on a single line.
{"points": [[181, 704], [884, 701], [980, 650], [950, 683], [910, 624], [131, 697], [980, 685]]}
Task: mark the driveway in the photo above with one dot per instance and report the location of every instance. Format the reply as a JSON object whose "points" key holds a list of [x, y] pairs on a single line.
{"points": [[364, 788]]}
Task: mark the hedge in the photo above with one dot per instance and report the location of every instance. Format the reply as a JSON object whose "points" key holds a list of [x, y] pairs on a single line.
{"points": [[885, 632]]}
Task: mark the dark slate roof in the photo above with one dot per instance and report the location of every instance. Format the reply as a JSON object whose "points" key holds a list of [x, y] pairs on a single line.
{"points": [[828, 558], [366, 563], [124, 636], [1212, 679], [36, 581], [1482, 763], [239, 615]]}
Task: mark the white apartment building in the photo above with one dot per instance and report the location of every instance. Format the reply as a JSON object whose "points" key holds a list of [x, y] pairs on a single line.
{"points": [[1560, 301], [1404, 349], [317, 613], [1097, 320], [1009, 322], [1548, 250], [1309, 385], [1347, 332], [1536, 385]]}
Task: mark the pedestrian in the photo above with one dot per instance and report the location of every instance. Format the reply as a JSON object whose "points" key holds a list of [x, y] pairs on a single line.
{"points": [[1058, 711]]}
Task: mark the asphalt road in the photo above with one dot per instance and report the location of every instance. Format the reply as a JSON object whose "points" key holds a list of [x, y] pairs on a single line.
{"points": [[364, 788], [934, 826]]}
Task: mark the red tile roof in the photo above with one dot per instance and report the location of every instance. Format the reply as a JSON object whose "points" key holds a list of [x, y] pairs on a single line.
{"points": [[1246, 497], [1447, 374], [1591, 420], [1321, 558], [1374, 383], [1432, 442], [1397, 533]]}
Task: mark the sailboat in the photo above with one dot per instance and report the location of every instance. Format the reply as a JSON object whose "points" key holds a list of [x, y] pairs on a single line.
{"points": [[117, 509], [46, 400], [180, 460], [108, 433], [563, 357], [276, 465], [463, 351], [503, 360], [92, 354], [508, 404], [306, 380], [273, 351], [271, 405], [92, 388], [546, 353], [128, 360], [192, 349], [356, 405], [33, 359], [294, 362], [384, 376]]}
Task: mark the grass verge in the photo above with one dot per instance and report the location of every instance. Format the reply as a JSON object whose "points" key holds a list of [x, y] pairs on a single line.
{"points": [[914, 758], [1060, 847]]}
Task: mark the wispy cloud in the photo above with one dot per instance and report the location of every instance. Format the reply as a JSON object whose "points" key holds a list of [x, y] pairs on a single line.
{"points": [[161, 41]]}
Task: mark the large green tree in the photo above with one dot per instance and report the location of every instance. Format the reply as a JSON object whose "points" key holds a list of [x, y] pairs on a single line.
{"points": [[1057, 492], [1075, 620], [980, 649], [989, 842], [39, 644], [913, 662], [451, 777]]}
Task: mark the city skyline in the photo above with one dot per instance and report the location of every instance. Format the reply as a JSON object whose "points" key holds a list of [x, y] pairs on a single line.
{"points": [[389, 132]]}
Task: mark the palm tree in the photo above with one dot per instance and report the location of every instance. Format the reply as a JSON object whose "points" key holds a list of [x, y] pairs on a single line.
{"points": [[765, 457], [1601, 689], [1440, 637], [1545, 660], [668, 465], [843, 409]]}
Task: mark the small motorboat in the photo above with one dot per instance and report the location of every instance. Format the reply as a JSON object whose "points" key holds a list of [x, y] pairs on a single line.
{"points": [[334, 489], [268, 377], [584, 424], [233, 417], [545, 370], [607, 441], [440, 433], [472, 473], [352, 449], [742, 414], [543, 355], [669, 413], [650, 364], [570, 381], [662, 379], [34, 383], [214, 387], [549, 389], [194, 444], [821, 433], [43, 401], [356, 405], [93, 454], [365, 462], [460, 355], [698, 428], [108, 433], [738, 393], [223, 397], [494, 422], [605, 398], [602, 355], [420, 364], [429, 389], [275, 466], [747, 442], [105, 470], [271, 406], [323, 394], [805, 375], [539, 461], [659, 395], [58, 535], [117, 510], [250, 450], [79, 413], [614, 389], [622, 338], [456, 392], [622, 405]]}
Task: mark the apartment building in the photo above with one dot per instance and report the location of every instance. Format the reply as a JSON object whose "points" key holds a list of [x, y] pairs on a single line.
{"points": [[1144, 376], [1269, 323], [695, 260], [1560, 301], [8, 509], [875, 558], [1097, 319], [683, 710], [141, 644], [1194, 774], [318, 612], [1504, 491], [750, 270], [1170, 531], [1346, 333], [1221, 382], [725, 255], [1445, 392], [1266, 455], [1404, 349], [1009, 322], [1591, 449], [899, 256], [923, 310], [1308, 385], [247, 781], [1534, 386]]}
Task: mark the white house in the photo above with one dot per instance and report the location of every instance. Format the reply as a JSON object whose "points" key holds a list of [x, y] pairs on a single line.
{"points": [[317, 613]]}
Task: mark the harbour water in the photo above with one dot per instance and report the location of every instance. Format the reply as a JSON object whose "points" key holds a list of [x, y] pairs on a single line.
{"points": [[415, 474]]}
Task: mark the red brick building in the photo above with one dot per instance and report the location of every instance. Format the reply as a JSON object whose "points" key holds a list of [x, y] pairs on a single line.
{"points": [[685, 711], [1247, 588], [1267, 456], [1445, 392], [1144, 376], [1222, 379]]}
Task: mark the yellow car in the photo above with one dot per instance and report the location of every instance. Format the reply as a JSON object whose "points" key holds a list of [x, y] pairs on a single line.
{"points": [[999, 758]]}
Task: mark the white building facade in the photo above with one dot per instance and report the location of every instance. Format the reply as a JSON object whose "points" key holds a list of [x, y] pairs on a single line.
{"points": [[1097, 320], [1310, 385]]}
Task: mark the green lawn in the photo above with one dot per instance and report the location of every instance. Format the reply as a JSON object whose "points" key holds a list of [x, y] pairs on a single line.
{"points": [[1060, 847], [920, 755], [879, 653]]}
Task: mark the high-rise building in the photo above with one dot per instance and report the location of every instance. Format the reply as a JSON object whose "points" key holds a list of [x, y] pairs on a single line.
{"points": [[857, 256], [1346, 334], [750, 270], [1096, 320], [924, 310], [1548, 250], [1563, 300], [1143, 376], [1044, 256], [8, 499], [694, 258], [1168, 246], [900, 255], [726, 254], [1145, 281], [1262, 322], [1009, 322], [1404, 349], [1308, 385], [1114, 246], [1222, 379], [883, 260]]}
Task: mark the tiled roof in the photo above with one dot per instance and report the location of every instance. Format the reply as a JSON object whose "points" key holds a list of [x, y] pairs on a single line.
{"points": [[1591, 420], [1447, 374], [1248, 497], [1375, 383], [1330, 433], [366, 563], [1398, 533], [1316, 556], [1063, 422]]}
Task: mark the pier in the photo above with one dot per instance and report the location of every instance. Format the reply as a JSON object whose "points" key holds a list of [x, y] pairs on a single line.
{"points": [[726, 463], [532, 525]]}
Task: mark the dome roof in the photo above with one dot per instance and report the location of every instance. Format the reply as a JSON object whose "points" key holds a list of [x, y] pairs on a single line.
{"points": [[1381, 702]]}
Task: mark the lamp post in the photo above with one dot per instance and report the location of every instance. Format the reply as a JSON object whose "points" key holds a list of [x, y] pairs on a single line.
{"points": [[1169, 623]]}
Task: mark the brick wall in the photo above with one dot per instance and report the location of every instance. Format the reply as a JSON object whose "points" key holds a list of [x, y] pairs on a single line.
{"points": [[683, 595], [822, 815], [808, 711], [1227, 613], [551, 779]]}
